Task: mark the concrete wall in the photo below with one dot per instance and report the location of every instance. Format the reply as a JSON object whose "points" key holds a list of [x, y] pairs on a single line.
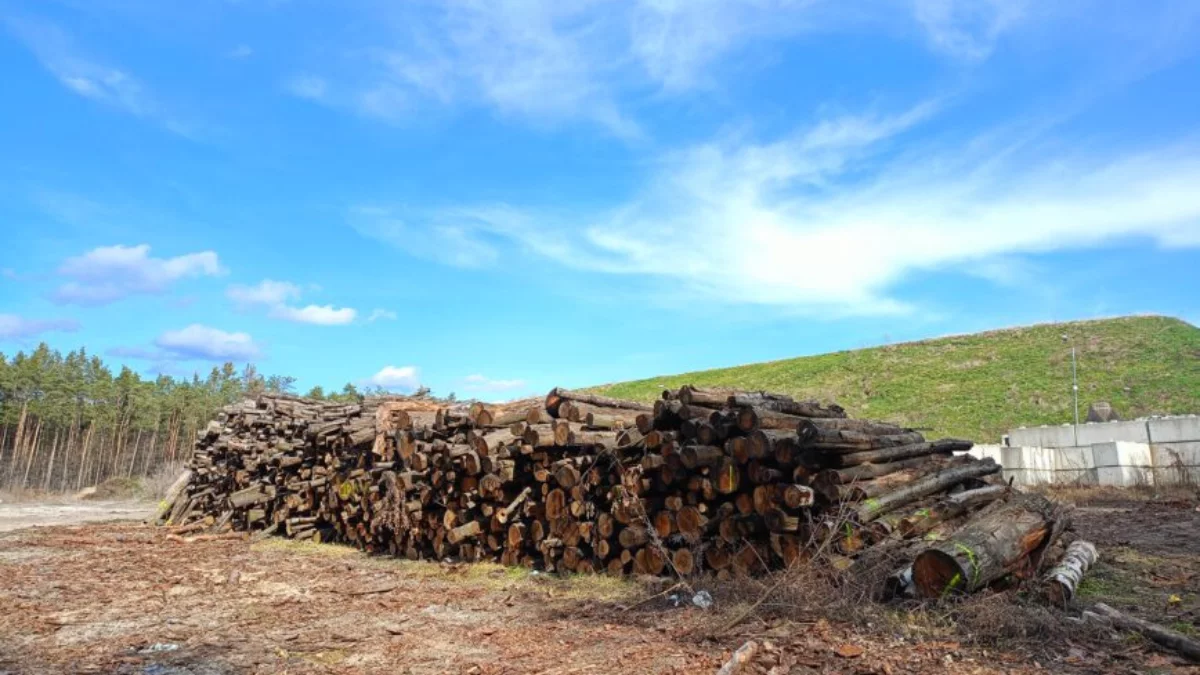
{"points": [[1117, 463]]}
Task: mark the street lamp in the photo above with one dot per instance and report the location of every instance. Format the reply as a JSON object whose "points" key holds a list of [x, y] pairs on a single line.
{"points": [[1074, 388]]}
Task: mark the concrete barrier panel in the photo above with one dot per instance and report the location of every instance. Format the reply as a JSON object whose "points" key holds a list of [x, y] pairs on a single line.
{"points": [[1174, 429], [1123, 464], [1107, 432], [1176, 463], [1074, 465], [1042, 437]]}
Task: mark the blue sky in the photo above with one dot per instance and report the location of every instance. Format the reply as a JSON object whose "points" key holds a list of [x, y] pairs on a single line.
{"points": [[493, 198]]}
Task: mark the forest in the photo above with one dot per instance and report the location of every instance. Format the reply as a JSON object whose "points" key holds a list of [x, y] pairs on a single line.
{"points": [[72, 421]]}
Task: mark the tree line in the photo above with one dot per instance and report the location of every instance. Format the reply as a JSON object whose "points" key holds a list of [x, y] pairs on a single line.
{"points": [[67, 422]]}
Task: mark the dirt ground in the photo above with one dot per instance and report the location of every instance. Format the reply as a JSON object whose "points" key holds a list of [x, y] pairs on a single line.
{"points": [[128, 598], [16, 515]]}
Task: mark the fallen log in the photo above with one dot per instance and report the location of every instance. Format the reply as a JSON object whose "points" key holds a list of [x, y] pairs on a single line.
{"points": [[558, 395], [786, 405], [1164, 636], [891, 454], [948, 509], [987, 548], [942, 480], [173, 494], [1063, 579], [869, 471]]}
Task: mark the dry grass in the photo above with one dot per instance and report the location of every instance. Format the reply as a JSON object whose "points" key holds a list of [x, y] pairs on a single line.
{"points": [[1083, 495], [1003, 620]]}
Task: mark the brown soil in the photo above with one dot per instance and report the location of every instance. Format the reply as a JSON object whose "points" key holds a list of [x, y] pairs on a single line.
{"points": [[126, 598]]}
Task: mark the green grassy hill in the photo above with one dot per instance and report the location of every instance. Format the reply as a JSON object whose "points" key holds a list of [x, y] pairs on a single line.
{"points": [[979, 386]]}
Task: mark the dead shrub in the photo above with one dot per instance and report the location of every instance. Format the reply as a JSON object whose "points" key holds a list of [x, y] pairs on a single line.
{"points": [[156, 484]]}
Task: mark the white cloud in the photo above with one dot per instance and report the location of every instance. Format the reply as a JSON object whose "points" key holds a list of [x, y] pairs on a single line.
{"points": [[274, 297], [828, 219], [14, 327], [967, 28], [321, 315], [267, 292], [393, 378], [110, 273], [203, 343], [91, 78], [480, 383], [307, 86], [382, 314]]}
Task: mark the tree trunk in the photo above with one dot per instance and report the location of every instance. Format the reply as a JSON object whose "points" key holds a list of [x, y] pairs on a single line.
{"points": [[137, 443], [33, 443], [49, 474], [83, 459]]}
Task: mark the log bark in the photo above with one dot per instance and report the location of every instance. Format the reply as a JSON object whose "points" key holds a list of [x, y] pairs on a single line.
{"points": [[873, 470], [949, 508], [558, 395], [986, 549], [1063, 579], [846, 424], [944, 446], [846, 442], [924, 487], [786, 405]]}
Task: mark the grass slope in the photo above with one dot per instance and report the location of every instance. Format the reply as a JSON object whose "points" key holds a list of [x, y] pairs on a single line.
{"points": [[979, 386]]}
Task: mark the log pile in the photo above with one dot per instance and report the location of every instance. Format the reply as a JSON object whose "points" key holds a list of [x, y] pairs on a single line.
{"points": [[705, 480]]}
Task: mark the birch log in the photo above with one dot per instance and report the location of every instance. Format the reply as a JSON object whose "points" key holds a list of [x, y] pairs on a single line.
{"points": [[1063, 580]]}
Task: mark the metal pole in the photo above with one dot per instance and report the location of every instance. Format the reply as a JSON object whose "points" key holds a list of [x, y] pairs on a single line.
{"points": [[1075, 393]]}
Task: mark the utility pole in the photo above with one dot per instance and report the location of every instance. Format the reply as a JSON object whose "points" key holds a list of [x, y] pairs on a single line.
{"points": [[1074, 390]]}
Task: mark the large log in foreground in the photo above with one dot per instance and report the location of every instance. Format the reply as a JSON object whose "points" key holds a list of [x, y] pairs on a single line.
{"points": [[987, 548], [706, 481]]}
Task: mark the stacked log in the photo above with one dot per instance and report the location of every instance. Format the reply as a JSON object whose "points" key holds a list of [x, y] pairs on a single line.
{"points": [[705, 480]]}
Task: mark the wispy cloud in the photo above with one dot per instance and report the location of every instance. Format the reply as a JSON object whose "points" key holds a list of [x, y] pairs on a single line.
{"points": [[551, 62], [482, 384], [968, 29], [91, 77], [828, 219], [307, 86], [596, 61], [198, 342], [110, 273], [275, 296], [382, 315], [240, 52], [395, 378], [14, 327]]}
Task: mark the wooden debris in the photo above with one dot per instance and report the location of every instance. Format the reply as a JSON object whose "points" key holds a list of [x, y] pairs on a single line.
{"points": [[1164, 636]]}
